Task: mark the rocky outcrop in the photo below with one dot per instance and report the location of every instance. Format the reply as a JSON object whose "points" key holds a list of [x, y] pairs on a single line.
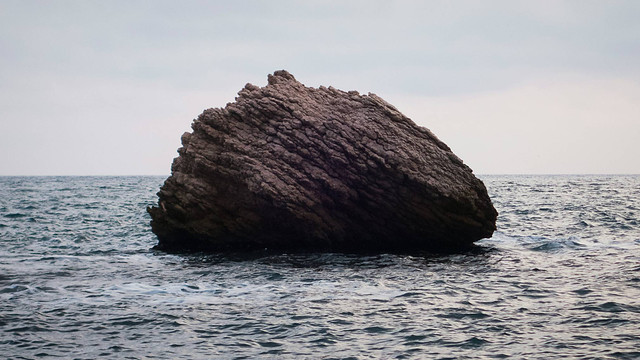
{"points": [[298, 168]]}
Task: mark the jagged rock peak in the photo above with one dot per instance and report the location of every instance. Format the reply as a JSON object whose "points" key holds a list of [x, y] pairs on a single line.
{"points": [[280, 76], [292, 167]]}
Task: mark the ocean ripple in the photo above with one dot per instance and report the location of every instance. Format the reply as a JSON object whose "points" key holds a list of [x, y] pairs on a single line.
{"points": [[559, 279]]}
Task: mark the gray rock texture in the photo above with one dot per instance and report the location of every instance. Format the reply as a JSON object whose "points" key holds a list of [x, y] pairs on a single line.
{"points": [[291, 167]]}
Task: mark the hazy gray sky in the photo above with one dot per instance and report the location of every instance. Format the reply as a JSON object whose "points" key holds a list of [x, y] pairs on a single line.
{"points": [[108, 87]]}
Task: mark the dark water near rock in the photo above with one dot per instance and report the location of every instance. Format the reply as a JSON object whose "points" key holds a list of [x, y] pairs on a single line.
{"points": [[560, 279]]}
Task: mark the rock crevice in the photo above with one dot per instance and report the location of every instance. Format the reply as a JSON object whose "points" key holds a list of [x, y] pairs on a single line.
{"points": [[293, 167]]}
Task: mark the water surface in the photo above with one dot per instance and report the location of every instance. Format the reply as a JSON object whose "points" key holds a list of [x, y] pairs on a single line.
{"points": [[560, 278]]}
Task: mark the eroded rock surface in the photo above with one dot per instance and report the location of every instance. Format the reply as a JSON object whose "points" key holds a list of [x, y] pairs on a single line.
{"points": [[292, 167]]}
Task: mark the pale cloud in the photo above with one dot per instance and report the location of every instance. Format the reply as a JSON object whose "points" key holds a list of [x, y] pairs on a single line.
{"points": [[108, 87], [566, 125], [98, 127]]}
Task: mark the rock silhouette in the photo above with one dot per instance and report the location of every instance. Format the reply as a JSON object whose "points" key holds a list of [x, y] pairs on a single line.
{"points": [[292, 167]]}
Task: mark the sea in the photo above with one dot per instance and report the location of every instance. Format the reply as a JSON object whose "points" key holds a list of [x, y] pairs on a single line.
{"points": [[559, 279]]}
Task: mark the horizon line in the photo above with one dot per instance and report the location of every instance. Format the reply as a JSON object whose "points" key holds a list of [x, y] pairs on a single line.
{"points": [[480, 174]]}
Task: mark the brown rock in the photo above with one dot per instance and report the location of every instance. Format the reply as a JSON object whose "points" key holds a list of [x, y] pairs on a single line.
{"points": [[292, 167]]}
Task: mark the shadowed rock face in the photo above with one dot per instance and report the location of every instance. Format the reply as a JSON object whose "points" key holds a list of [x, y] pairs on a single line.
{"points": [[292, 167]]}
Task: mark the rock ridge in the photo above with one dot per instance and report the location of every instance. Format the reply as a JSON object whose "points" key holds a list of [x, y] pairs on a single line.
{"points": [[292, 167]]}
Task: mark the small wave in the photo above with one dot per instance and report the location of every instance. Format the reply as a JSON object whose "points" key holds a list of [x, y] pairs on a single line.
{"points": [[15, 215], [269, 344], [582, 291], [415, 338], [410, 294], [553, 245], [130, 321], [464, 315], [14, 288], [612, 322], [585, 224], [472, 342], [534, 243], [28, 329], [376, 329], [612, 307]]}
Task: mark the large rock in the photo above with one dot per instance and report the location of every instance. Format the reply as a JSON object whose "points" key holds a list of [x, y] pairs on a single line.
{"points": [[297, 168]]}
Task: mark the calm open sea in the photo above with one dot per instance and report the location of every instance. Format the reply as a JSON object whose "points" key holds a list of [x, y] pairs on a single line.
{"points": [[559, 279]]}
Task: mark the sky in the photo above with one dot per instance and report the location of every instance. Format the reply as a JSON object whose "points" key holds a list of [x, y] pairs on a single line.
{"points": [[513, 87]]}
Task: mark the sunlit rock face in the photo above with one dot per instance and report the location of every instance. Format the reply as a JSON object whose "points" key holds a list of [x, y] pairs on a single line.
{"points": [[290, 167]]}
